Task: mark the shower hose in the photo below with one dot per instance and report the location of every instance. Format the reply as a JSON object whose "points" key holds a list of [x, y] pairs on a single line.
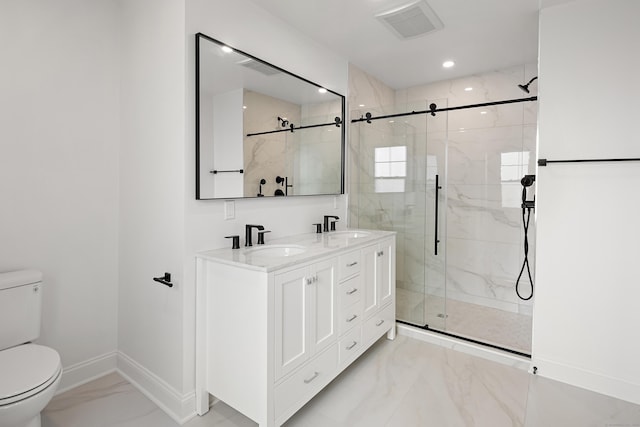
{"points": [[526, 217]]}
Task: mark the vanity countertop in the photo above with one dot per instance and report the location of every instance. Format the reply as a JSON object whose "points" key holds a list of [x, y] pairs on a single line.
{"points": [[291, 250]]}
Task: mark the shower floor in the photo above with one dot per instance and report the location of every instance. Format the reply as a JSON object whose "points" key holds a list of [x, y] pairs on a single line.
{"points": [[505, 329]]}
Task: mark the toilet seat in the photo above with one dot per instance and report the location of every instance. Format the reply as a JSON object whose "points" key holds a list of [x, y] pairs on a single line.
{"points": [[26, 370]]}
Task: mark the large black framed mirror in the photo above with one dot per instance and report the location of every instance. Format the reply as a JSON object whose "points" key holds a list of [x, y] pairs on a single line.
{"points": [[262, 131]]}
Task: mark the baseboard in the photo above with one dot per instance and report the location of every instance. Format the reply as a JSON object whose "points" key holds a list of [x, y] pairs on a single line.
{"points": [[178, 406], [83, 372], [598, 383]]}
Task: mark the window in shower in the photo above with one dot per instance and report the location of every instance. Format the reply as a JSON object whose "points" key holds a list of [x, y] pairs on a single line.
{"points": [[390, 166], [512, 165]]}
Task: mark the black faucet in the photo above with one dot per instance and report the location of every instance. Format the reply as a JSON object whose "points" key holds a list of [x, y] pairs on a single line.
{"points": [[333, 223], [247, 235]]}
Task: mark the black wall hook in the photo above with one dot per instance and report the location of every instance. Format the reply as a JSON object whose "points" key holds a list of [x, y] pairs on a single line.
{"points": [[368, 116], [433, 108], [165, 280], [338, 121]]}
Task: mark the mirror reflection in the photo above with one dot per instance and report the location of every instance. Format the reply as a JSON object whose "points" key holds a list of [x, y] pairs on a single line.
{"points": [[262, 131]]}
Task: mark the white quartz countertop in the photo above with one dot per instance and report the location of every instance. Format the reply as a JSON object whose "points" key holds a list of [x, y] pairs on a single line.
{"points": [[291, 250]]}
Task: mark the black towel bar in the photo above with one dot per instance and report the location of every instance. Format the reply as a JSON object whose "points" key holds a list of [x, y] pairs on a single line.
{"points": [[235, 170], [545, 162]]}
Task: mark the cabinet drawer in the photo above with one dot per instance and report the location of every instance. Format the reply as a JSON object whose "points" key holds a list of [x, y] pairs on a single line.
{"points": [[348, 265], [379, 323], [350, 316], [350, 291], [349, 346], [306, 381]]}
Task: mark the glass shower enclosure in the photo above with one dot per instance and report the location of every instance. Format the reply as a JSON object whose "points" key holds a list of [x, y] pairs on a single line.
{"points": [[449, 185]]}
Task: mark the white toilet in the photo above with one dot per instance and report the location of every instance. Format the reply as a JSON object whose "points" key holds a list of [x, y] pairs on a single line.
{"points": [[29, 373]]}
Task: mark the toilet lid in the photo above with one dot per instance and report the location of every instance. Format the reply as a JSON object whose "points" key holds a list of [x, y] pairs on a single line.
{"points": [[25, 368]]}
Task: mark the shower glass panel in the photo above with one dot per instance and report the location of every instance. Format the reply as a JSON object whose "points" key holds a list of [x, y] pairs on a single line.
{"points": [[470, 162], [395, 189], [490, 150]]}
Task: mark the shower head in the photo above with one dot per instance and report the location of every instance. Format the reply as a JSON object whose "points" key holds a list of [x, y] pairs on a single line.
{"points": [[526, 87], [283, 122]]}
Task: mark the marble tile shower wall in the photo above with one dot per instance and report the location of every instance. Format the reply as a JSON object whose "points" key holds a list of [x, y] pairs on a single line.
{"points": [[483, 217], [478, 153], [265, 156], [316, 163], [366, 93], [309, 158]]}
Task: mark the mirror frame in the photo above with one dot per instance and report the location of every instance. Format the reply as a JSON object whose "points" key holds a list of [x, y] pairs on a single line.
{"points": [[198, 37]]}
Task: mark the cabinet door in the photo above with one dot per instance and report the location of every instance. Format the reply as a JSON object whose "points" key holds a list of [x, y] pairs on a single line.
{"points": [[323, 315], [385, 273], [291, 321], [369, 277]]}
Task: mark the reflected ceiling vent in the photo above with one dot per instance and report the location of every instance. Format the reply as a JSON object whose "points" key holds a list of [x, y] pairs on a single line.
{"points": [[258, 66], [411, 20]]}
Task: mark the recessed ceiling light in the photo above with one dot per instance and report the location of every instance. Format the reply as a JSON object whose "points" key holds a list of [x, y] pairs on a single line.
{"points": [[226, 49], [468, 89], [483, 112], [244, 107], [361, 105], [448, 64], [322, 90]]}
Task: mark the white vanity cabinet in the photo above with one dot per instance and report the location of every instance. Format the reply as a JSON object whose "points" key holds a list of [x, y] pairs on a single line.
{"points": [[379, 288], [271, 332], [305, 317]]}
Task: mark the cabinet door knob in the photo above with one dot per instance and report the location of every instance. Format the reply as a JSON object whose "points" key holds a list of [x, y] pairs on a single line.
{"points": [[353, 344], [352, 318], [309, 280], [379, 322], [380, 253], [352, 291], [312, 377]]}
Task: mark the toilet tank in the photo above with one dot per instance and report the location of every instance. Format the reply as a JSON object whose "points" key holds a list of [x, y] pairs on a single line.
{"points": [[20, 307]]}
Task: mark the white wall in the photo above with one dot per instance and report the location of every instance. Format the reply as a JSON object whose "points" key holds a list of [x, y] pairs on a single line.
{"points": [[226, 145], [586, 309], [242, 24], [59, 166], [152, 176]]}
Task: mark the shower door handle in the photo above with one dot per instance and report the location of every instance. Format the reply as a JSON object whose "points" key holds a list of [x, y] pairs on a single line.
{"points": [[435, 220]]}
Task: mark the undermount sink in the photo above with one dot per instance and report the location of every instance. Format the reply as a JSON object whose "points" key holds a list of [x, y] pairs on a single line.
{"points": [[349, 234], [276, 250]]}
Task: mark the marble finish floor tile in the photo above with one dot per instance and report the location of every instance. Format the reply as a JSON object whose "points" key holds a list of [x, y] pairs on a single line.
{"points": [[486, 324], [111, 401], [400, 383]]}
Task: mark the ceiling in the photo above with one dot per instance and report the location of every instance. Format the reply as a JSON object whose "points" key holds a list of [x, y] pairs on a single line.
{"points": [[478, 35]]}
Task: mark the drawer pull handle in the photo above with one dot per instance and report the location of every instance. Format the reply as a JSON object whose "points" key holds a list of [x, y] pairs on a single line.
{"points": [[352, 291], [380, 253], [352, 264], [353, 344], [313, 377], [352, 318], [380, 322]]}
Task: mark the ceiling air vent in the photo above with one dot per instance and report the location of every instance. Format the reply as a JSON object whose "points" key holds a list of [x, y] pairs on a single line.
{"points": [[411, 20], [258, 66]]}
